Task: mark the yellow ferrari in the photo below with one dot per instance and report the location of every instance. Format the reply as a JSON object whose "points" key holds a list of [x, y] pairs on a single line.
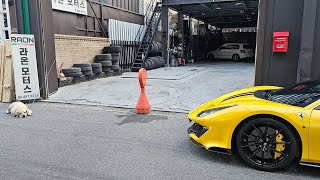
{"points": [[269, 127]]}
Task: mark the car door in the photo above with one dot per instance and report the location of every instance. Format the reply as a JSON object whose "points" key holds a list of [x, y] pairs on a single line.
{"points": [[314, 135], [219, 53], [224, 52]]}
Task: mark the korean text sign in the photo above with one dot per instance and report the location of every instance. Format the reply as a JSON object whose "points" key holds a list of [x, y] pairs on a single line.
{"points": [[73, 6], [25, 67]]}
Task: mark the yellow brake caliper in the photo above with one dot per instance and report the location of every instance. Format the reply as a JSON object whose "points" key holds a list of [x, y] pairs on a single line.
{"points": [[279, 147]]}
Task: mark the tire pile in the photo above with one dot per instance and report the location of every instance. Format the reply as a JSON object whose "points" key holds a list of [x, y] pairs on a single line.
{"points": [[154, 59], [154, 62], [110, 58], [106, 64]]}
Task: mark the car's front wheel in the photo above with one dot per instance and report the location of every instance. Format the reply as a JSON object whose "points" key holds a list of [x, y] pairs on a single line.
{"points": [[211, 57], [266, 144]]}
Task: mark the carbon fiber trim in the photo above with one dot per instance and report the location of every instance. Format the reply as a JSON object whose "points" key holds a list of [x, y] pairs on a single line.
{"points": [[238, 95]]}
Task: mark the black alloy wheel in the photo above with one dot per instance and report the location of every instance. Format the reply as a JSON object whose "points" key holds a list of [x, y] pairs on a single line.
{"points": [[235, 57], [266, 144]]}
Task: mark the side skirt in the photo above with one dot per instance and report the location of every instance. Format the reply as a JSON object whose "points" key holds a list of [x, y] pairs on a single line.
{"points": [[317, 165]]}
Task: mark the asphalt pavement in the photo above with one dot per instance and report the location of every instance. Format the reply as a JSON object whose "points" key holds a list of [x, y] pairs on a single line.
{"points": [[63, 141]]}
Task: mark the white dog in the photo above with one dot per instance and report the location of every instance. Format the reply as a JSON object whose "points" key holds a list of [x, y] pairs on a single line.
{"points": [[18, 109]]}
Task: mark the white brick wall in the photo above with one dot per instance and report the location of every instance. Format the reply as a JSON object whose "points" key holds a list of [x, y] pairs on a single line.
{"points": [[77, 49]]}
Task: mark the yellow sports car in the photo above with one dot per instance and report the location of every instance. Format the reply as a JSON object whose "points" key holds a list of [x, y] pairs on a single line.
{"points": [[268, 126]]}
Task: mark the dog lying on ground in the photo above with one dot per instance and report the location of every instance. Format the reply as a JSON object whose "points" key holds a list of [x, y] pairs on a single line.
{"points": [[18, 109]]}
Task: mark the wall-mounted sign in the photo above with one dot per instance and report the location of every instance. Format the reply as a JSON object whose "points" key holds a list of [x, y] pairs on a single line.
{"points": [[73, 6], [25, 67]]}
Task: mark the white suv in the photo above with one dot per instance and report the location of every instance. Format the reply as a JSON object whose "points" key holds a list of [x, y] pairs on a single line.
{"points": [[234, 51]]}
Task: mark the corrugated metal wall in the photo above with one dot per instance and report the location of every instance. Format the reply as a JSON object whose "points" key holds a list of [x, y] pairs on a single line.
{"points": [[122, 31], [127, 35]]}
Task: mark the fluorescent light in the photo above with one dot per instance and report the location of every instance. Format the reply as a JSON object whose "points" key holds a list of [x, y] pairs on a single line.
{"points": [[238, 3]]}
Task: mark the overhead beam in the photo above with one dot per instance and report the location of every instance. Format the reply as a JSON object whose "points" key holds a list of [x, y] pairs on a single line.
{"points": [[206, 7], [181, 2], [229, 22], [214, 10]]}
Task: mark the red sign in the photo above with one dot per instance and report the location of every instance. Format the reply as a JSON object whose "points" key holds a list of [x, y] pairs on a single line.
{"points": [[280, 41]]}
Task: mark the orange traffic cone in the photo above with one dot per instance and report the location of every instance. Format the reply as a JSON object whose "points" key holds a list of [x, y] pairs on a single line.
{"points": [[143, 106]]}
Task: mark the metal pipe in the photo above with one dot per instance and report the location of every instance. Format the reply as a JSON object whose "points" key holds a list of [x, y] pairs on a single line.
{"points": [[26, 21]]}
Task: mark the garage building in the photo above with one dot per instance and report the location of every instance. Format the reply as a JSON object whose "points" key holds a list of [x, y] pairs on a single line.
{"points": [[298, 20]]}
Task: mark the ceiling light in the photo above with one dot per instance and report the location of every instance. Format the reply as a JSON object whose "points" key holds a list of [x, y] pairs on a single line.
{"points": [[238, 3], [218, 8]]}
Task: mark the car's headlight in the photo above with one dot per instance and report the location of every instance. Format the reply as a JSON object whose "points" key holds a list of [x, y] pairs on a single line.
{"points": [[213, 110]]}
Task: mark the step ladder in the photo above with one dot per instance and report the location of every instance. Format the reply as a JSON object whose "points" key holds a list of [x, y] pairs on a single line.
{"points": [[5, 24], [148, 35]]}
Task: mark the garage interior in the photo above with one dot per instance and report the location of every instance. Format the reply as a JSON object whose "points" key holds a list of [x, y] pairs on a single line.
{"points": [[203, 26]]}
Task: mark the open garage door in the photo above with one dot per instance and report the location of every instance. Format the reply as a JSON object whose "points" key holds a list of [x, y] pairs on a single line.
{"points": [[213, 30]]}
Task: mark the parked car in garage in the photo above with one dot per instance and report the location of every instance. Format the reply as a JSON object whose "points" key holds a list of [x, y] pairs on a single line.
{"points": [[233, 51]]}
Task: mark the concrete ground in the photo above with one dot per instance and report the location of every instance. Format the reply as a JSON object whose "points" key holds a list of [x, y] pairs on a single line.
{"points": [[178, 89], [89, 142]]}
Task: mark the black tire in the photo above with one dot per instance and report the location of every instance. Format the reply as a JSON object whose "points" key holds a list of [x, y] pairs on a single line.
{"points": [[152, 64], [76, 74], [106, 63], [106, 69], [103, 57], [161, 60], [88, 73], [97, 70], [211, 57], [235, 58], [96, 65], [112, 49], [116, 58], [146, 65], [114, 63], [156, 62], [115, 68], [115, 54], [82, 65], [85, 69], [258, 146], [71, 70]]}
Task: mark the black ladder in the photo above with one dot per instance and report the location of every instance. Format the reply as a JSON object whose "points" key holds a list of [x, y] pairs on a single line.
{"points": [[148, 36]]}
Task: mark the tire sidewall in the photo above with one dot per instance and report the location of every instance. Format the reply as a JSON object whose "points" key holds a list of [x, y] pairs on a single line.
{"points": [[235, 58]]}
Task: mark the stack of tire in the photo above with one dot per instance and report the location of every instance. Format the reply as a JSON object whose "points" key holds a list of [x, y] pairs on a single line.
{"points": [[105, 61], [154, 62], [154, 59], [86, 69], [114, 51]]}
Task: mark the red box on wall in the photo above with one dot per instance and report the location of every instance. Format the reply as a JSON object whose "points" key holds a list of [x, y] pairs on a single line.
{"points": [[280, 41]]}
